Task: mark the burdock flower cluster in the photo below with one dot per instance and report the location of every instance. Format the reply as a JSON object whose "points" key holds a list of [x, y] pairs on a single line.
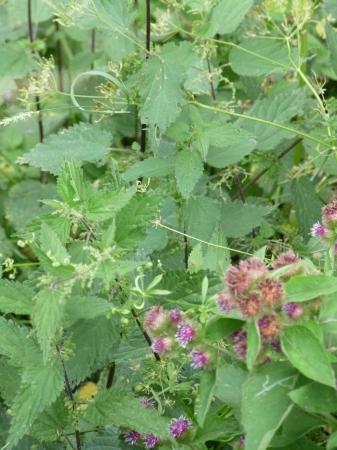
{"points": [[258, 294], [326, 230], [170, 330]]}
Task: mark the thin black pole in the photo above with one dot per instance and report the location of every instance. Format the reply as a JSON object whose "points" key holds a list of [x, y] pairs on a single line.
{"points": [[143, 134], [43, 175]]}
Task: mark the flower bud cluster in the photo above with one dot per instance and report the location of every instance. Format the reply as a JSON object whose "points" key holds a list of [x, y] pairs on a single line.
{"points": [[326, 230], [171, 330], [258, 293]]}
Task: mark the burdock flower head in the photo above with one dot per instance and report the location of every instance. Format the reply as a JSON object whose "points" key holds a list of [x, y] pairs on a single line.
{"points": [[185, 334], [150, 441], [147, 403], [319, 230], [271, 291], [178, 427], [237, 279], [329, 215], [292, 310], [239, 339], [132, 437], [161, 344], [155, 319], [285, 259], [250, 305], [225, 302], [254, 267], [200, 359], [268, 326], [175, 316]]}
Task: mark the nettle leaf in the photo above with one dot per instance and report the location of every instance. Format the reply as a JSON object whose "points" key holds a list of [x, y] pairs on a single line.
{"points": [[226, 144], [79, 307], [133, 220], [95, 343], [265, 403], [303, 194], [15, 297], [307, 287], [47, 317], [118, 407], [81, 143], [188, 170], [276, 108], [23, 203], [103, 205], [227, 16], [161, 85], [150, 167], [36, 394], [16, 61], [307, 354], [240, 219], [259, 56], [52, 246], [331, 38], [102, 440], [13, 342], [316, 398]]}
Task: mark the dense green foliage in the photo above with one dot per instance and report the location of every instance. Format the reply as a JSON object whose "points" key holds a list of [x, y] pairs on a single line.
{"points": [[146, 148]]}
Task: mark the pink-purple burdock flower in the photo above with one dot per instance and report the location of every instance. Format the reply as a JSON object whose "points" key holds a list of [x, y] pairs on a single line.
{"points": [[293, 310], [239, 339], [285, 259], [329, 214], [150, 441], [147, 403], [200, 359], [237, 279], [254, 267], [132, 437], [161, 344], [276, 345], [242, 441], [155, 319], [250, 305], [185, 334], [225, 302], [175, 316], [318, 230], [268, 326], [180, 426], [271, 291]]}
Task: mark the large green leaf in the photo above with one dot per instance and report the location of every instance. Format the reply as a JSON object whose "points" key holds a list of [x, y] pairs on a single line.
{"points": [[161, 85], [307, 354], [265, 403], [227, 16], [259, 56], [15, 297], [188, 170], [117, 406], [16, 61], [303, 194], [316, 398], [205, 396], [150, 167], [253, 344], [307, 287], [238, 219], [331, 37], [80, 143], [47, 317], [229, 383]]}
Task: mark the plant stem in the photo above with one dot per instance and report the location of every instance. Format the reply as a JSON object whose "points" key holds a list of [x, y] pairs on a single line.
{"points": [[69, 393], [43, 175], [59, 56], [148, 47]]}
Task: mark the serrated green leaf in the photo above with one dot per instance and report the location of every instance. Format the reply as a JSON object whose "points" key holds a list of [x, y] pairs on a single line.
{"points": [[52, 246], [150, 167], [80, 143], [47, 317], [259, 56], [161, 85], [16, 61], [118, 407], [15, 297], [82, 307], [188, 170], [238, 219], [307, 354], [331, 38], [227, 16]]}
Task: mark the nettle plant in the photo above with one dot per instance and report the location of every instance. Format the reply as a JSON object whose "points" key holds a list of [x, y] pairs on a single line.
{"points": [[169, 224]]}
